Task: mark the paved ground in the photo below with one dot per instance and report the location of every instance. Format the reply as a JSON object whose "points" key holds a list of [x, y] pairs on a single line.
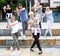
{"points": [[26, 52]]}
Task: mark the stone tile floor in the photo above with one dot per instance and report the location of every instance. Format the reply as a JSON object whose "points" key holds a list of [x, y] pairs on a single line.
{"points": [[27, 52]]}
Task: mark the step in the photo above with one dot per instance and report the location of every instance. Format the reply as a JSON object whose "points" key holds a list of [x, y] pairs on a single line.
{"points": [[44, 25], [45, 41], [5, 32], [30, 38]]}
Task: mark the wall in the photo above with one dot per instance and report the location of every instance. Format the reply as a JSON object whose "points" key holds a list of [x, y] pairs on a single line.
{"points": [[54, 3]]}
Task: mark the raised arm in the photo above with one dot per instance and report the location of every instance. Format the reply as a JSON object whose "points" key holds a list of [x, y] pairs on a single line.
{"points": [[11, 24]]}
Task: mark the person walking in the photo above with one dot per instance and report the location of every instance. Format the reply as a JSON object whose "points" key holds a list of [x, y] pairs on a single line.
{"points": [[35, 31]]}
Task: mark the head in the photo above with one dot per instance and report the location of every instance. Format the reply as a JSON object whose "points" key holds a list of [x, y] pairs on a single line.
{"points": [[13, 18], [38, 2], [8, 6], [34, 9], [19, 6], [31, 15], [47, 8]]}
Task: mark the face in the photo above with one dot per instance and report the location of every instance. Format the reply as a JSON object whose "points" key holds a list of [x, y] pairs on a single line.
{"points": [[12, 19], [47, 8], [20, 6]]}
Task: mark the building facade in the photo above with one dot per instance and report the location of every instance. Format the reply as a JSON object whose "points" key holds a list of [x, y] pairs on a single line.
{"points": [[55, 3]]}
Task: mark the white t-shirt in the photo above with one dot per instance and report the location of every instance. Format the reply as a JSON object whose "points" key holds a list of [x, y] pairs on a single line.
{"points": [[15, 27]]}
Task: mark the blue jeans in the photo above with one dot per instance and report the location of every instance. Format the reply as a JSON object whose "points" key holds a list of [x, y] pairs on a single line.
{"points": [[25, 26]]}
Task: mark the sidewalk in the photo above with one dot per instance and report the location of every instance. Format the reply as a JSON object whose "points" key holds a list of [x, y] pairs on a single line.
{"points": [[27, 52]]}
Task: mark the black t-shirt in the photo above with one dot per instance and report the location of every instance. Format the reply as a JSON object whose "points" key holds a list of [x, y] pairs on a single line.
{"points": [[8, 11]]}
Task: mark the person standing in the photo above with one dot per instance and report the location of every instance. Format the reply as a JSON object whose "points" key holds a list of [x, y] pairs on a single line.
{"points": [[8, 12], [4, 13], [15, 13], [49, 16], [38, 8], [35, 31], [24, 17], [14, 26]]}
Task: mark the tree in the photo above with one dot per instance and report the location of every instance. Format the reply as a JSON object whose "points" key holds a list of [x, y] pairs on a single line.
{"points": [[2, 3], [13, 3], [58, 8]]}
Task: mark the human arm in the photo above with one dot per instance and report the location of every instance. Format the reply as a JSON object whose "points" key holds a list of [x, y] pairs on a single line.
{"points": [[4, 8], [12, 24]]}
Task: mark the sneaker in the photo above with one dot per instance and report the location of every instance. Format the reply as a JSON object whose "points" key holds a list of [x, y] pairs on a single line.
{"points": [[24, 36], [31, 50], [11, 48], [21, 34], [40, 52], [19, 51]]}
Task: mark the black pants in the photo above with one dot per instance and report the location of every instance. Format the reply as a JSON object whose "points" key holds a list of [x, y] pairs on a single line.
{"points": [[40, 24], [36, 41]]}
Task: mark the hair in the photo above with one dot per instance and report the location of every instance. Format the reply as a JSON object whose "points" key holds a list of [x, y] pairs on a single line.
{"points": [[19, 5], [13, 17], [31, 13], [8, 4]]}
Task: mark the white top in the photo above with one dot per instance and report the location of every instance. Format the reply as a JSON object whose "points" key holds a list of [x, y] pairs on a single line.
{"points": [[35, 27], [49, 15], [14, 27]]}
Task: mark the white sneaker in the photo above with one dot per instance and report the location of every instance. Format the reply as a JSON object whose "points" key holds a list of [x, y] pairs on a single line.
{"points": [[24, 36], [19, 51], [11, 48], [21, 34]]}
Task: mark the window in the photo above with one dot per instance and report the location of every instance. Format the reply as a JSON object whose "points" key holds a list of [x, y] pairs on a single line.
{"points": [[56, 0], [44, 1]]}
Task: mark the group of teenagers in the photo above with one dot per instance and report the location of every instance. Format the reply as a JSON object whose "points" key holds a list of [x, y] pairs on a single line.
{"points": [[34, 22]]}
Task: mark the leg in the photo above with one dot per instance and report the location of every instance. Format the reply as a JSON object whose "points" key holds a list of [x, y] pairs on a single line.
{"points": [[40, 25], [13, 41], [33, 43], [17, 45], [37, 42], [47, 28], [23, 25], [50, 31], [26, 27], [15, 38], [46, 32]]}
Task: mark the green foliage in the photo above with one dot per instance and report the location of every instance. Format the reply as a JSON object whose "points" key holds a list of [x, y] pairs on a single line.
{"points": [[58, 8], [2, 3], [43, 10], [23, 2], [13, 6]]}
